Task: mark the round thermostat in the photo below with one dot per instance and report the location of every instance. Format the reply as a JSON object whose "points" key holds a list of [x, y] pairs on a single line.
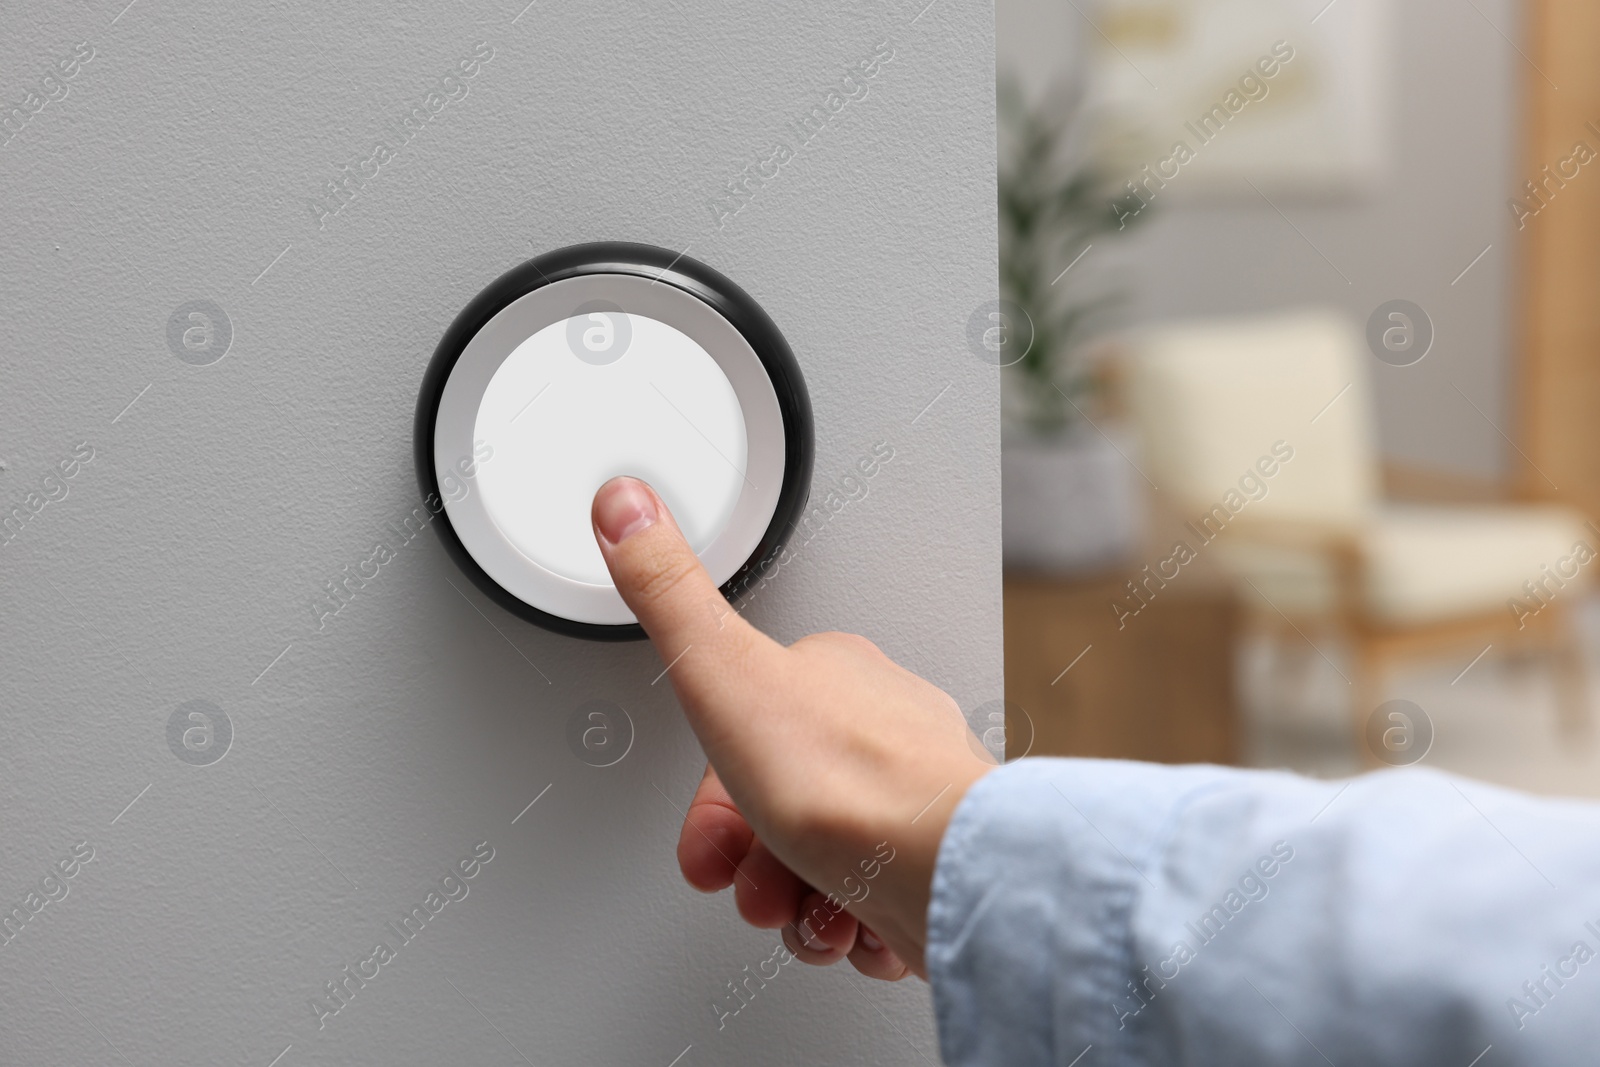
{"points": [[591, 362]]}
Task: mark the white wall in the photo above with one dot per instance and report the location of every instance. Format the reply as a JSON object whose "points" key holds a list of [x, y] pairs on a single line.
{"points": [[184, 561], [1454, 162]]}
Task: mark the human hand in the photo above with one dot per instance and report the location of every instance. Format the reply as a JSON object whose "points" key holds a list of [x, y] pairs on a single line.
{"points": [[825, 756]]}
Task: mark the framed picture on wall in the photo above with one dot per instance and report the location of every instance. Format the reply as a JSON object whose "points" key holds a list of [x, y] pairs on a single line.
{"points": [[1214, 96]]}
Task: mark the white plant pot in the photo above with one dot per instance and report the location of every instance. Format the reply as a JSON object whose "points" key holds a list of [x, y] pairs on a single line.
{"points": [[1070, 502]]}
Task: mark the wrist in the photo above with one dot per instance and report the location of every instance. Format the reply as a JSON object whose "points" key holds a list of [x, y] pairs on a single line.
{"points": [[897, 906]]}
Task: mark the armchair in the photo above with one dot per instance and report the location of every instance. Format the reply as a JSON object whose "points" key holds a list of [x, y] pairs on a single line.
{"points": [[1259, 433]]}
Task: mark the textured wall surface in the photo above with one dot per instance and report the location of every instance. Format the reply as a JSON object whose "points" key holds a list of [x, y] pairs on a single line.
{"points": [[187, 159]]}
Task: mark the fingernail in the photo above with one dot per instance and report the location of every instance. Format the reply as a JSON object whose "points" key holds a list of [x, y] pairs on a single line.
{"points": [[868, 939], [809, 937], [623, 507]]}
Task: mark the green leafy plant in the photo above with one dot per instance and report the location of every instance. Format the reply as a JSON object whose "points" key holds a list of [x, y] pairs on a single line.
{"points": [[1053, 203]]}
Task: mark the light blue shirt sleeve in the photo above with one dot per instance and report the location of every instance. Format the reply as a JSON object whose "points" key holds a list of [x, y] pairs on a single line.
{"points": [[1095, 913]]}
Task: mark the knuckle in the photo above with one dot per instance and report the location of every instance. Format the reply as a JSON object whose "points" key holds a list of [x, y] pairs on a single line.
{"points": [[837, 639], [658, 585]]}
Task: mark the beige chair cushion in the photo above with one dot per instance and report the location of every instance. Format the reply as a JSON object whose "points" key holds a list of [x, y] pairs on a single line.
{"points": [[1430, 563], [1212, 398]]}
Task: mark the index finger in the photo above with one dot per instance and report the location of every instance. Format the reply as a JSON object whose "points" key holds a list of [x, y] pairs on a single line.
{"points": [[710, 651]]}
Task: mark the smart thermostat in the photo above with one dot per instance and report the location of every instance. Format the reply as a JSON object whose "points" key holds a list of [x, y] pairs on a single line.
{"points": [[595, 361]]}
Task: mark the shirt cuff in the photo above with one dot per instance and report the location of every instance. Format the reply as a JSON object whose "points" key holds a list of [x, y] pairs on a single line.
{"points": [[1029, 940]]}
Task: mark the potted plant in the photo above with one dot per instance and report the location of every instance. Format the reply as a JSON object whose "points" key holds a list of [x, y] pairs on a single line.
{"points": [[1071, 500]]}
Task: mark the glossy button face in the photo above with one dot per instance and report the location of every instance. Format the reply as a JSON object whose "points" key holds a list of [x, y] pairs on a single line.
{"points": [[598, 394]]}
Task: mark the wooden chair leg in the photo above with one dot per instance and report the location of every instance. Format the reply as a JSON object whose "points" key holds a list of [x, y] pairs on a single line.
{"points": [[1366, 693], [1289, 676], [1571, 676]]}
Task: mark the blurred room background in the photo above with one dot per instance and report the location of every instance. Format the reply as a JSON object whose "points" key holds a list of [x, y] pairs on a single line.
{"points": [[1302, 397]]}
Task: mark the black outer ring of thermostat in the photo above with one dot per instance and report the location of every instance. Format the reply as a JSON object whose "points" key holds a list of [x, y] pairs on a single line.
{"points": [[667, 268]]}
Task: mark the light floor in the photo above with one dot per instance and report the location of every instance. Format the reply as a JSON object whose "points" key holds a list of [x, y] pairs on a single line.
{"points": [[1497, 722]]}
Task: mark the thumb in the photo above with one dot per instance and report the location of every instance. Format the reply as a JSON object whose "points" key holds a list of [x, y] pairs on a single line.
{"points": [[707, 646]]}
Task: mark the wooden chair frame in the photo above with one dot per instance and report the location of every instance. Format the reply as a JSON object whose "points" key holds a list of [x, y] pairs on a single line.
{"points": [[1376, 645]]}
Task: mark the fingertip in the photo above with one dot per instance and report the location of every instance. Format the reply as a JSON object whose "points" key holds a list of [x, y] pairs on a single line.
{"points": [[714, 841], [654, 568], [873, 958], [622, 507], [821, 934], [766, 892]]}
